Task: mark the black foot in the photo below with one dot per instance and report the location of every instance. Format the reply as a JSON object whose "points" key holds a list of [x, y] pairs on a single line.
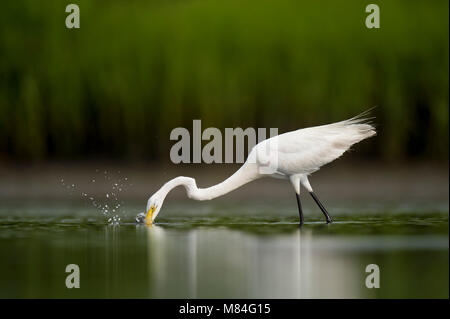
{"points": [[322, 208], [300, 211]]}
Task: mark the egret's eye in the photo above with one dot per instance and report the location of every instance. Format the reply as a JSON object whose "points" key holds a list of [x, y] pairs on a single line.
{"points": [[151, 210], [149, 216]]}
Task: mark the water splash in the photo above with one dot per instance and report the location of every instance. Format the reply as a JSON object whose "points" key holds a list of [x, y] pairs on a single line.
{"points": [[109, 205], [140, 218]]}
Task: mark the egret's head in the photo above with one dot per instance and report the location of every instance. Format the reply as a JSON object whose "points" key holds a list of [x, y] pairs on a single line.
{"points": [[153, 207]]}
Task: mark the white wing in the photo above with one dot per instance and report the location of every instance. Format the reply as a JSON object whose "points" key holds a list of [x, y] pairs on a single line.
{"points": [[305, 150]]}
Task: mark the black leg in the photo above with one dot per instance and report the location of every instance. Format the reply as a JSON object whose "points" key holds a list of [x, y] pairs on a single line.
{"points": [[324, 211], [300, 211]]}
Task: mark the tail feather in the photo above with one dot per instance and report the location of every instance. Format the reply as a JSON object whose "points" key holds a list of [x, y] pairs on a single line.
{"points": [[359, 127], [353, 130], [361, 118]]}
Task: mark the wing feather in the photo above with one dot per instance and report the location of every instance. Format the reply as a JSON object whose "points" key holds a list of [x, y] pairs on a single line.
{"points": [[306, 150]]}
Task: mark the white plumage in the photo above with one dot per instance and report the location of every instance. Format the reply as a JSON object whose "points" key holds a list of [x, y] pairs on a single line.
{"points": [[292, 155]]}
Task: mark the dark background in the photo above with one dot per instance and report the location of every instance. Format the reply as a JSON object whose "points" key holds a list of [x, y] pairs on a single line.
{"points": [[116, 87]]}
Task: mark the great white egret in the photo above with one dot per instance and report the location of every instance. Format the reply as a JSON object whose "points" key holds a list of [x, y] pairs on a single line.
{"points": [[291, 156]]}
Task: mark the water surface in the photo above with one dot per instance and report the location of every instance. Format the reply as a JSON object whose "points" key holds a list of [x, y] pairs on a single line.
{"points": [[228, 251]]}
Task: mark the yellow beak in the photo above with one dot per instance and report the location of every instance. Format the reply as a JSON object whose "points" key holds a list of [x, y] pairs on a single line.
{"points": [[149, 216]]}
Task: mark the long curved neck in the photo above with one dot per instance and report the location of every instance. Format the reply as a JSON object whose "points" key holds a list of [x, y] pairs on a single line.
{"points": [[245, 174]]}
